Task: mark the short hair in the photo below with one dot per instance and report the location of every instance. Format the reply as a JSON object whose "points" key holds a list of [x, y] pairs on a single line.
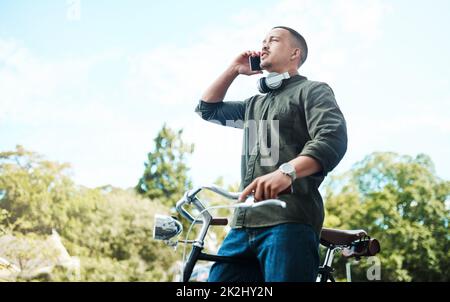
{"points": [[299, 40]]}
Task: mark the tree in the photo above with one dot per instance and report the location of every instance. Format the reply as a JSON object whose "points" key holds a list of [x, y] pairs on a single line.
{"points": [[31, 186], [400, 201], [108, 229], [165, 175]]}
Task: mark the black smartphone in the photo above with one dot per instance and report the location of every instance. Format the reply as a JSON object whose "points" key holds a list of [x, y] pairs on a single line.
{"points": [[255, 63]]}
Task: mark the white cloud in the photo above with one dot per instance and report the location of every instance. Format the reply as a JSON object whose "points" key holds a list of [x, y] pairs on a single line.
{"points": [[67, 117], [176, 74], [30, 86]]}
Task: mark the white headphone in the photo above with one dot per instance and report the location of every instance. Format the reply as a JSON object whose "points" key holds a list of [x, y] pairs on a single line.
{"points": [[273, 81]]}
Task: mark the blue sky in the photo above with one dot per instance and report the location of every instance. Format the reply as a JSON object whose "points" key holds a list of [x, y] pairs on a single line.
{"points": [[94, 91]]}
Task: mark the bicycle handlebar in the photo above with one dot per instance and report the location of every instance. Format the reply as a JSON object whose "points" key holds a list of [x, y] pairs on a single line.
{"points": [[191, 197], [181, 210], [353, 249], [216, 189]]}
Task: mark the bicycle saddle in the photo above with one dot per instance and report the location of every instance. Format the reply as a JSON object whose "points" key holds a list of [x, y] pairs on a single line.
{"points": [[340, 237]]}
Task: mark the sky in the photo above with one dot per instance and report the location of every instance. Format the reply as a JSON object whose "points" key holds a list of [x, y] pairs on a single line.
{"points": [[92, 82]]}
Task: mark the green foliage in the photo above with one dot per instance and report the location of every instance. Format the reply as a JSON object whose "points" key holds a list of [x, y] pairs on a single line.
{"points": [[165, 175], [4, 222], [109, 229], [400, 201], [30, 186]]}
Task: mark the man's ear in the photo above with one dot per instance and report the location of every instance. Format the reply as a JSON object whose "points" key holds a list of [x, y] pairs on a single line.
{"points": [[295, 54]]}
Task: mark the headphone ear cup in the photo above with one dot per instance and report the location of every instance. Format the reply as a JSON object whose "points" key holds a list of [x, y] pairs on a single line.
{"points": [[262, 86], [276, 85]]}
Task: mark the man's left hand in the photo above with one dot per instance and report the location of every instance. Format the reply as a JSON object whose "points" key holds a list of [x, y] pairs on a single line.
{"points": [[267, 186]]}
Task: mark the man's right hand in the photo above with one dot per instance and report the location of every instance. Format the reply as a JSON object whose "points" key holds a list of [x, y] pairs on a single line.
{"points": [[241, 64], [216, 92]]}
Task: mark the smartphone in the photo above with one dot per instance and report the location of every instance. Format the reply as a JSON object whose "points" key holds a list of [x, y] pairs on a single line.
{"points": [[255, 63]]}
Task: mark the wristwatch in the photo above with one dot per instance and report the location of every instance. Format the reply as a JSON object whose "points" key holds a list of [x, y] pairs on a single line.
{"points": [[289, 170]]}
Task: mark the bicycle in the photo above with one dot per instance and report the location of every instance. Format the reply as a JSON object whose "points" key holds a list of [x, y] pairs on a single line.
{"points": [[353, 243]]}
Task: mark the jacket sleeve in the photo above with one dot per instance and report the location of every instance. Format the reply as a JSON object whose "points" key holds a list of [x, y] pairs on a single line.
{"points": [[326, 127], [230, 114]]}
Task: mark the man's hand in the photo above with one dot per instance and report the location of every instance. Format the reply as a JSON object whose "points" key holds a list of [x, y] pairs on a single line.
{"points": [[241, 65], [267, 186], [216, 92]]}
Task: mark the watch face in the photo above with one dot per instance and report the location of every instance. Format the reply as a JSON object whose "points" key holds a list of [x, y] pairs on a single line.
{"points": [[287, 168]]}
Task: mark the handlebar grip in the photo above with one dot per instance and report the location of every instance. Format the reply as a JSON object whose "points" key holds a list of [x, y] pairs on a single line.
{"points": [[219, 221], [364, 248], [374, 247]]}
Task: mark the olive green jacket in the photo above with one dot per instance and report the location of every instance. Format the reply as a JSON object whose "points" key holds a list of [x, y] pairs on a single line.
{"points": [[300, 118]]}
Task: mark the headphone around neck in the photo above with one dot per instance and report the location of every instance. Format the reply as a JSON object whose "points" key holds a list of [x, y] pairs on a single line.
{"points": [[273, 81]]}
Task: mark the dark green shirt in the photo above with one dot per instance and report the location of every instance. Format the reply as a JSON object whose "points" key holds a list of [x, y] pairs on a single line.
{"points": [[302, 118]]}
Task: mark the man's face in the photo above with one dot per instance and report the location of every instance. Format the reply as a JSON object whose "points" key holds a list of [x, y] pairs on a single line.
{"points": [[277, 51]]}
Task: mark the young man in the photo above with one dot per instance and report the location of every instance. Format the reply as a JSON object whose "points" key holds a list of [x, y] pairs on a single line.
{"points": [[310, 138]]}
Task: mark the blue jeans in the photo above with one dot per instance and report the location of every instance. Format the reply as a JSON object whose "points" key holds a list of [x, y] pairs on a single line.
{"points": [[286, 252]]}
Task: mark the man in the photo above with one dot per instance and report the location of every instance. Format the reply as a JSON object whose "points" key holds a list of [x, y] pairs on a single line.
{"points": [[311, 139]]}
